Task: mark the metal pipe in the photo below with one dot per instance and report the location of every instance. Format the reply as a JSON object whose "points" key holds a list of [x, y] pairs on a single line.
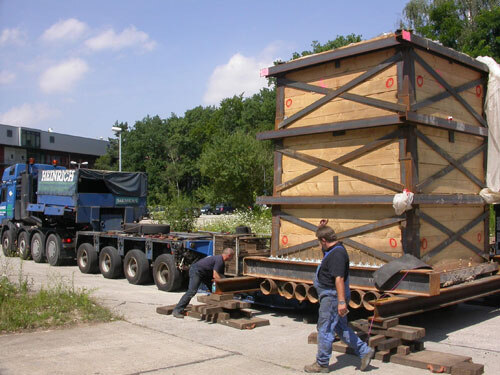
{"points": [[356, 300], [301, 292], [268, 286], [368, 298], [289, 289], [312, 295]]}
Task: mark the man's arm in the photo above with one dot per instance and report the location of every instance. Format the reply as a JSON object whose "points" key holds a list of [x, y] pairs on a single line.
{"points": [[216, 276], [340, 286]]}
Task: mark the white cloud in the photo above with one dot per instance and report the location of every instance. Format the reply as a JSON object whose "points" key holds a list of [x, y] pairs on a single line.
{"points": [[241, 74], [64, 76], [70, 29], [12, 36], [6, 77], [28, 114], [128, 38]]}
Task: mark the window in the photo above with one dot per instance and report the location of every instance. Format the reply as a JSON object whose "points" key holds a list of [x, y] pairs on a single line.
{"points": [[9, 133], [3, 196], [30, 139], [52, 139]]}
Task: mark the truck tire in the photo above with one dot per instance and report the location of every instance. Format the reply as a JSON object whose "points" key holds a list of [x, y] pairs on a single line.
{"points": [[167, 276], [136, 267], [53, 248], [23, 245], [38, 248], [110, 263], [8, 244], [87, 259]]}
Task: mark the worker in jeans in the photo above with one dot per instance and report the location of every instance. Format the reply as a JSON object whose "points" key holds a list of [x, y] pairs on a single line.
{"points": [[204, 271], [332, 285]]}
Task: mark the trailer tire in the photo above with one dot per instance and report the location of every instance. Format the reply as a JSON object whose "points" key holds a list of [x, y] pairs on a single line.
{"points": [[136, 267], [87, 259], [167, 276], [38, 248], [53, 250], [23, 245], [8, 243], [110, 263]]}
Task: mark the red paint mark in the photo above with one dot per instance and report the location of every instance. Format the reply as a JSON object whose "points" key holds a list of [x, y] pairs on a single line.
{"points": [[393, 242], [288, 103], [284, 240], [264, 72], [479, 237], [406, 35], [424, 243], [420, 81], [479, 91], [389, 82]]}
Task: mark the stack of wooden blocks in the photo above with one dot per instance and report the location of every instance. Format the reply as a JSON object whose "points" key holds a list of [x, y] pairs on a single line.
{"points": [[402, 344], [222, 309]]}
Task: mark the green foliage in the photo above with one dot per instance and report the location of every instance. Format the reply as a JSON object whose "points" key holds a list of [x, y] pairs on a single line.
{"points": [[180, 213], [57, 305], [339, 41], [470, 26], [258, 219]]}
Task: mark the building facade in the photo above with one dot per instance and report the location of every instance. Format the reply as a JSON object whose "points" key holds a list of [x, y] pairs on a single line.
{"points": [[19, 144]]}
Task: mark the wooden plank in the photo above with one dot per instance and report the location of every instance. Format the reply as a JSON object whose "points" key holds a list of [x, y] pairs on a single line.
{"points": [[167, 310], [245, 323], [389, 343], [441, 362], [373, 341], [234, 304], [341, 347], [215, 298], [403, 350], [383, 355], [467, 368], [406, 332]]}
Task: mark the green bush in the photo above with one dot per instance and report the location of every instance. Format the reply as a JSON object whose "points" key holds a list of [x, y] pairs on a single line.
{"points": [[180, 213]]}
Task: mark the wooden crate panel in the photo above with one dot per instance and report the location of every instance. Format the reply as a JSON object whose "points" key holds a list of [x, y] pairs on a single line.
{"points": [[383, 162], [430, 162], [387, 240], [455, 75]]}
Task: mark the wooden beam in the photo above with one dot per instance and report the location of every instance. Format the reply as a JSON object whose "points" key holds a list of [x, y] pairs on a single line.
{"points": [[368, 250], [297, 248], [343, 170]]}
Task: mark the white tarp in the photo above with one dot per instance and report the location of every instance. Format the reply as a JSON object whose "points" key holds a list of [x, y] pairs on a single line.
{"points": [[492, 109]]}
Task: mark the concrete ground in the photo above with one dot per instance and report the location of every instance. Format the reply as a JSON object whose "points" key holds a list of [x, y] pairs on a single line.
{"points": [[148, 343]]}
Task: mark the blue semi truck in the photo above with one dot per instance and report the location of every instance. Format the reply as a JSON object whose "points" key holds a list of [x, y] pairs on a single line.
{"points": [[50, 213]]}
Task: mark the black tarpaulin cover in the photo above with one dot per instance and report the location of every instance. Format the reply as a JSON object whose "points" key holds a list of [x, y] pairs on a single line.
{"points": [[131, 184]]}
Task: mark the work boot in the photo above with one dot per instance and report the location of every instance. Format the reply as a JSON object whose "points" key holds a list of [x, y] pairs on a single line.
{"points": [[178, 314], [315, 367], [366, 359]]}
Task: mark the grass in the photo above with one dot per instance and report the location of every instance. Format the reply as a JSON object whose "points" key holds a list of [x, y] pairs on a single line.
{"points": [[59, 304]]}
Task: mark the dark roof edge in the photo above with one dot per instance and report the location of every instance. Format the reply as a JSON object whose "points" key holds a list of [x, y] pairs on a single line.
{"points": [[400, 37]]}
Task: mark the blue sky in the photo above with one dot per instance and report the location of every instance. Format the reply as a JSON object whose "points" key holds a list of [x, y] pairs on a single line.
{"points": [[78, 66]]}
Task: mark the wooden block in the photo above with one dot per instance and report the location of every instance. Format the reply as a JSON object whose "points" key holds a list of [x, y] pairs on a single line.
{"points": [[406, 332], [415, 346], [245, 323], [383, 355], [384, 323], [340, 347], [403, 349], [312, 338], [389, 343], [234, 304], [210, 298], [467, 368], [428, 359], [209, 309], [241, 313], [375, 340], [167, 310], [196, 315]]}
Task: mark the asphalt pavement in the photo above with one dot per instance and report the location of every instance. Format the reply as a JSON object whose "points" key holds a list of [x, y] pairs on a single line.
{"points": [[145, 342]]}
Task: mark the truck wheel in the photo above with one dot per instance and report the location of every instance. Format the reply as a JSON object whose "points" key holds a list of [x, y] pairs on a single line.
{"points": [[53, 250], [110, 263], [23, 246], [136, 267], [8, 244], [87, 259], [166, 275], [38, 248]]}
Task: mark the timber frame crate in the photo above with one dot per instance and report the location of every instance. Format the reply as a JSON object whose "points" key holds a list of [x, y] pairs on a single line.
{"points": [[358, 124]]}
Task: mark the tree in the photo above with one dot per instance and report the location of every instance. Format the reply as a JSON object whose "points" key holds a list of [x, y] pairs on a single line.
{"points": [[338, 42]]}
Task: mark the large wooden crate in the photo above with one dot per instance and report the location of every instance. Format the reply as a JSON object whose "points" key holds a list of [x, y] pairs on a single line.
{"points": [[356, 125]]}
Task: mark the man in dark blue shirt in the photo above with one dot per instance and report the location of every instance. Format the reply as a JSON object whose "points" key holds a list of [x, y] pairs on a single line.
{"points": [[332, 285], [204, 271]]}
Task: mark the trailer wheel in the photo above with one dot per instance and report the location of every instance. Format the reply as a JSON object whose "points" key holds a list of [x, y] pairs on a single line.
{"points": [[87, 259], [167, 276], [53, 250], [38, 248], [8, 244], [110, 263], [136, 267], [23, 246]]}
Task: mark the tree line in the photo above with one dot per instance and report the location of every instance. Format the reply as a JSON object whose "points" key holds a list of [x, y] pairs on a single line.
{"points": [[210, 154]]}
